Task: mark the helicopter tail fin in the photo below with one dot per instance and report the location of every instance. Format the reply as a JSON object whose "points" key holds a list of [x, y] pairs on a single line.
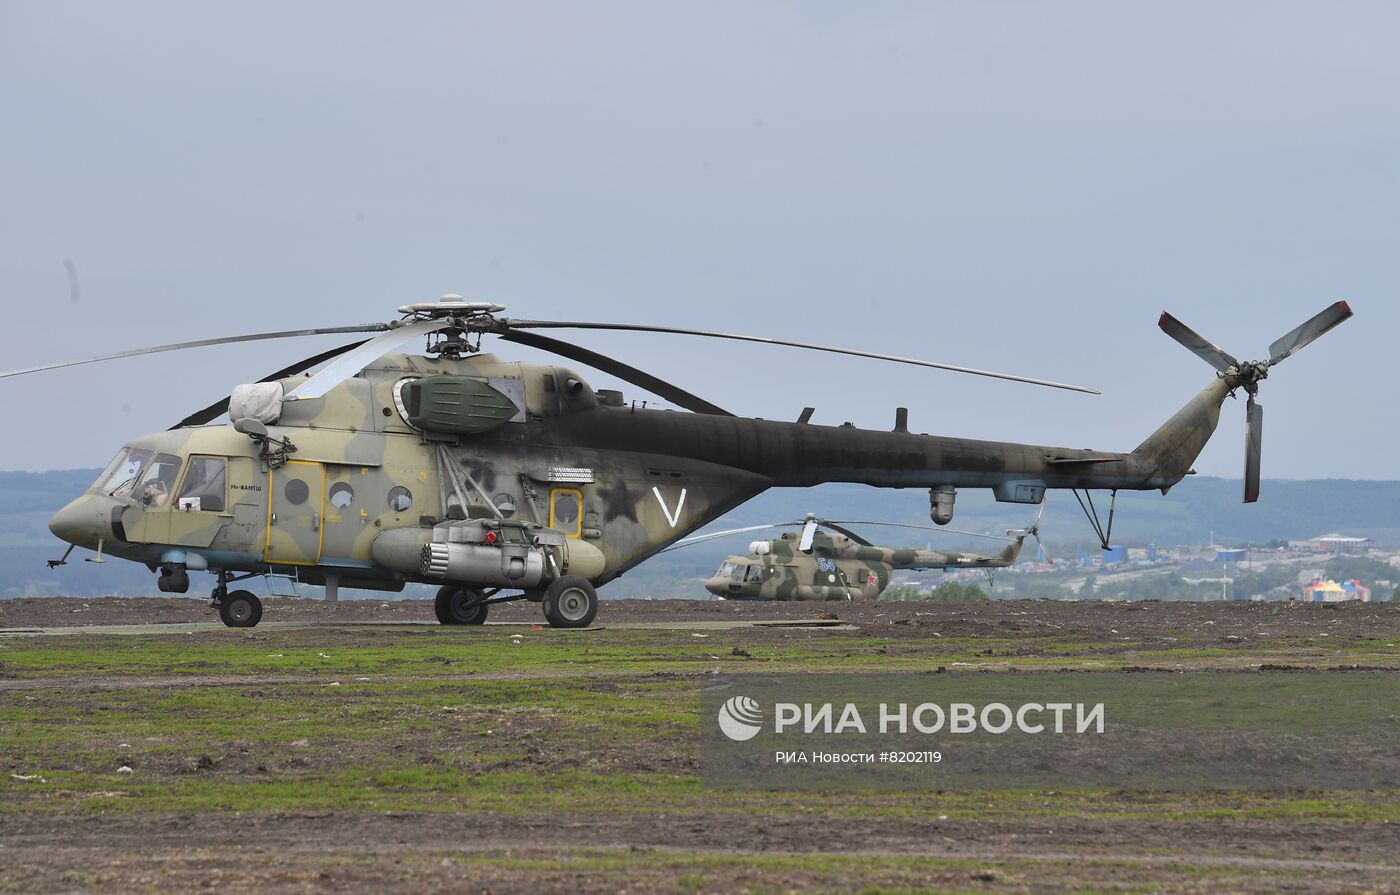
{"points": [[1168, 453], [1011, 551]]}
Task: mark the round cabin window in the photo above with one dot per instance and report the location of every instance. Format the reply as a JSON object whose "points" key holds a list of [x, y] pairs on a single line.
{"points": [[566, 508], [296, 492], [342, 495], [505, 504], [400, 498]]}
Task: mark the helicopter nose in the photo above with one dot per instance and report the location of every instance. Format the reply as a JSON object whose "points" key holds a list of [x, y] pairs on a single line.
{"points": [[717, 586], [83, 522]]}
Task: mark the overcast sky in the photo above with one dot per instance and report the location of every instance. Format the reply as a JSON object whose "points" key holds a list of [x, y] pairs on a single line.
{"points": [[1011, 186]]}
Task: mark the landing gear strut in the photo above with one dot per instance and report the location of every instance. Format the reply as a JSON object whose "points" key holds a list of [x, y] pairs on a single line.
{"points": [[568, 602]]}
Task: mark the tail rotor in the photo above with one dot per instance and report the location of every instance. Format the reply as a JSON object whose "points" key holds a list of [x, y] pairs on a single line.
{"points": [[1034, 532], [1248, 374]]}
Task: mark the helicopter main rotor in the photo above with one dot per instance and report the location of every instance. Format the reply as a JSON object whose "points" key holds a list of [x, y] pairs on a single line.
{"points": [[453, 327]]}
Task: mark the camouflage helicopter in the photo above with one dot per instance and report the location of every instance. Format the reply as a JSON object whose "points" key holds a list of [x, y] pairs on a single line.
{"points": [[837, 565], [501, 480]]}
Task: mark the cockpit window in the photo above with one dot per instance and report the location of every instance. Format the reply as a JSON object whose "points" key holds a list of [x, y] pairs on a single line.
{"points": [[109, 478], [754, 573], [158, 480], [121, 477], [727, 570], [204, 486]]}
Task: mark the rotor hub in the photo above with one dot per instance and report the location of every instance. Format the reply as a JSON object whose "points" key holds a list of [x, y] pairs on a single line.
{"points": [[1246, 375], [463, 323]]}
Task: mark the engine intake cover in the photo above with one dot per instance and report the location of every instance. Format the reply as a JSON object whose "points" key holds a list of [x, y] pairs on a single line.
{"points": [[456, 405]]}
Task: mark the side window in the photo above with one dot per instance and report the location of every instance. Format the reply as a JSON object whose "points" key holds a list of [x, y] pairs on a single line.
{"points": [[341, 495], [205, 485], [566, 511], [505, 504], [400, 498]]}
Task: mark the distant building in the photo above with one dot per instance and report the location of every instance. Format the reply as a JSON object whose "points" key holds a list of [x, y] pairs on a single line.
{"points": [[1226, 555], [1333, 543], [1332, 592]]}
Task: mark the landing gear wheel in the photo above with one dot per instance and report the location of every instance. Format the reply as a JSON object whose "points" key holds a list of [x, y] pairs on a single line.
{"points": [[459, 606], [240, 609], [570, 602]]}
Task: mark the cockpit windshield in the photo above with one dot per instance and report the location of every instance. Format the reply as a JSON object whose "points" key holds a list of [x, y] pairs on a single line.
{"points": [[106, 477], [726, 570], [124, 470], [142, 474]]}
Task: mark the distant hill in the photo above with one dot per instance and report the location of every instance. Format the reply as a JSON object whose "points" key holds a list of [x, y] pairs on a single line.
{"points": [[1192, 513]]}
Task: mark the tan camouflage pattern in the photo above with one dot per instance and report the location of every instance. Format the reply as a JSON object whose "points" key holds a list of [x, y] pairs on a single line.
{"points": [[653, 476]]}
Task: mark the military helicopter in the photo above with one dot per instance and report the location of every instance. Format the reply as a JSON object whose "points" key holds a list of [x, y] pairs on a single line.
{"points": [[501, 480], [837, 564]]}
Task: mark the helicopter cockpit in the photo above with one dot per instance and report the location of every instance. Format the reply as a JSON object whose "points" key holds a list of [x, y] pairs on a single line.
{"points": [[740, 573], [140, 474]]}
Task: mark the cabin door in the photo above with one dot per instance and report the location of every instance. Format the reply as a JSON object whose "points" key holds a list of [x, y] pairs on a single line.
{"points": [[296, 513]]}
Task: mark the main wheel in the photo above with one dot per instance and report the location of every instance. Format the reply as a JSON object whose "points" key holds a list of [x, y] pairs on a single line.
{"points": [[240, 609], [459, 606], [570, 602]]}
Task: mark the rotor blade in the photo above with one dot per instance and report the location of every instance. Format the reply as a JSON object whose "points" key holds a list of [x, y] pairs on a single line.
{"points": [[352, 362], [848, 533], [659, 387], [1253, 449], [1198, 344], [636, 327], [714, 535], [220, 407], [809, 530], [956, 531], [1299, 339], [201, 343]]}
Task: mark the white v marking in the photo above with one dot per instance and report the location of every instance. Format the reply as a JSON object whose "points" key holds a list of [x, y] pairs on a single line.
{"points": [[673, 518]]}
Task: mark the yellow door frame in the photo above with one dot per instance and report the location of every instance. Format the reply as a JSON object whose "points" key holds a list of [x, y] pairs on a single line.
{"points": [[320, 516], [578, 522]]}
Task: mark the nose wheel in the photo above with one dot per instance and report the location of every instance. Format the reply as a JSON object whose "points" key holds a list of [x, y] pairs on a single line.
{"points": [[240, 609]]}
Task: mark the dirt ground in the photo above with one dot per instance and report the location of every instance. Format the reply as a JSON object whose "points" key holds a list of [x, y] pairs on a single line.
{"points": [[505, 854], [694, 842], [993, 618]]}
